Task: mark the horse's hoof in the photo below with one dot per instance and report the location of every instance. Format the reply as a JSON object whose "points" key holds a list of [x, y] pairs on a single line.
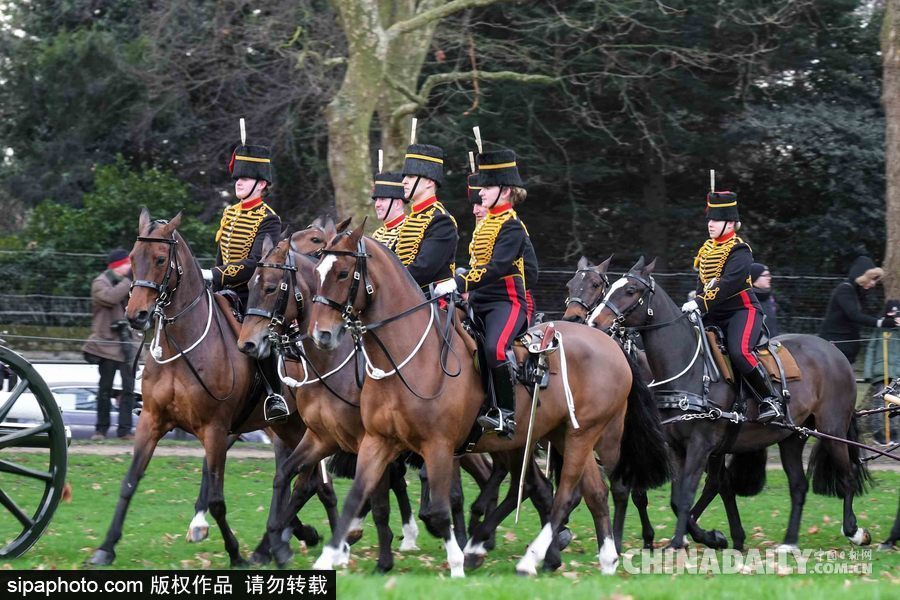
{"points": [[473, 561], [354, 536], [862, 537], [786, 549], [239, 563], [383, 569], [491, 542], [282, 555], [308, 534], [720, 542], [551, 566], [259, 559], [564, 538], [197, 534], [102, 558], [888, 545]]}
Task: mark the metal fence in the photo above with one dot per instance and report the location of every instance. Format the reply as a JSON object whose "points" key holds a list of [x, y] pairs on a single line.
{"points": [[53, 289]]}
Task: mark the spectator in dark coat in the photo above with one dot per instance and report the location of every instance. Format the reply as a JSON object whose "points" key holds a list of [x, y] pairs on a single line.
{"points": [[844, 315], [761, 279]]}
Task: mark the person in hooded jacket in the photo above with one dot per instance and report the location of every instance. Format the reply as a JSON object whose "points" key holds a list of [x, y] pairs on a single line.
{"points": [[844, 316]]}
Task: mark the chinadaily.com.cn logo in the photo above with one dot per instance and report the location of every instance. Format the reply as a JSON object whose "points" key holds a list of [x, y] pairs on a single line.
{"points": [[752, 562]]}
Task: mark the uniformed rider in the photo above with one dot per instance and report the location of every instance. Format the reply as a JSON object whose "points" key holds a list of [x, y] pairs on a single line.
{"points": [[725, 298]]}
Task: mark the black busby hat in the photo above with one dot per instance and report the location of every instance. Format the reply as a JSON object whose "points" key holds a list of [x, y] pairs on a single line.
{"points": [[424, 161], [254, 162], [722, 206], [473, 189], [498, 168], [388, 185]]}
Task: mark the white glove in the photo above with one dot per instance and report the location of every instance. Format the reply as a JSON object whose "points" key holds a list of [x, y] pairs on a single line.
{"points": [[445, 287], [689, 306], [207, 274]]}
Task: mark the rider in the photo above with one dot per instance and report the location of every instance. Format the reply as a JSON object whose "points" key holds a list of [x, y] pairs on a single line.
{"points": [[531, 263], [390, 207], [426, 242], [725, 297], [496, 280], [239, 241]]}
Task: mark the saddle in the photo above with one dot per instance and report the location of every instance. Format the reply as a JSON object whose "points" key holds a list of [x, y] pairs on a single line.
{"points": [[230, 303], [765, 350]]}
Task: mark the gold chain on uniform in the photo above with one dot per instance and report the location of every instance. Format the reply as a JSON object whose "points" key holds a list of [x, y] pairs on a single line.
{"points": [[409, 238], [237, 230], [710, 261], [481, 248], [388, 237]]}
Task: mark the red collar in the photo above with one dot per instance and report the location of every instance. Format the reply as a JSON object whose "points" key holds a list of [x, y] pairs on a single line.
{"points": [[248, 204], [393, 223], [499, 210], [424, 204], [725, 238]]}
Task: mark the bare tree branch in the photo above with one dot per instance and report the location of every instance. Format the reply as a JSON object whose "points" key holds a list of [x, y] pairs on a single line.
{"points": [[435, 14]]}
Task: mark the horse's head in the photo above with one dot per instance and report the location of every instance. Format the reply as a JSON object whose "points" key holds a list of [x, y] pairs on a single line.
{"points": [[273, 301], [314, 238], [628, 299], [586, 289], [343, 283], [155, 268]]}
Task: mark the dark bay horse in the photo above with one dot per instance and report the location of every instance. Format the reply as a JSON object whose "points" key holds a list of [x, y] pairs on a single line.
{"points": [[431, 413], [197, 379], [824, 398]]}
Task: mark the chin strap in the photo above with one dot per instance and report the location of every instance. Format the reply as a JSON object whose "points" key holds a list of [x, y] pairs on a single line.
{"points": [[250, 193]]}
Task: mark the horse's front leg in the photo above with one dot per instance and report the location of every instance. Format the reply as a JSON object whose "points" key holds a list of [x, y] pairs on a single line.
{"points": [[198, 530], [146, 436], [698, 449], [374, 456], [215, 442], [440, 466]]}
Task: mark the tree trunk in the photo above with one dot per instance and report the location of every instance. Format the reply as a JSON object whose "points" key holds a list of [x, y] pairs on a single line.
{"points": [[349, 114], [890, 51]]}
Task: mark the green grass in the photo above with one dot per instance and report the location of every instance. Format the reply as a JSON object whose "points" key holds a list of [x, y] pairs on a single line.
{"points": [[154, 538]]}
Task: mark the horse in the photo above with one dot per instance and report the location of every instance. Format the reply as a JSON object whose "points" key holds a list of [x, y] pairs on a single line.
{"points": [[197, 380], [824, 398], [363, 287]]}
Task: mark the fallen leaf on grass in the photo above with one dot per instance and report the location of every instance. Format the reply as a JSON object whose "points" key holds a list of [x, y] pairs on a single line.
{"points": [[390, 583], [510, 536], [826, 519], [150, 491], [812, 530], [570, 575], [96, 487]]}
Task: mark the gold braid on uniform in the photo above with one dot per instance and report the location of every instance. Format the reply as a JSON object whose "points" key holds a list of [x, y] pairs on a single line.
{"points": [[388, 235], [481, 248], [710, 261], [237, 230], [409, 238]]}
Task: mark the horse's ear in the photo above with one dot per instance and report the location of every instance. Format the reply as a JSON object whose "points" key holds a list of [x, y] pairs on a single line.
{"points": [[639, 265], [343, 225], [583, 263], [648, 268], [174, 223], [267, 245], [144, 221], [358, 233], [604, 266], [286, 232]]}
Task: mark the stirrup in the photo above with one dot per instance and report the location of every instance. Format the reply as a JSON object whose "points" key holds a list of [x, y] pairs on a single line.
{"points": [[494, 421], [771, 413], [275, 408]]}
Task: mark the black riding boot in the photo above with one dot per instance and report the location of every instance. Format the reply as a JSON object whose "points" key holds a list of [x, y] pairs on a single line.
{"points": [[770, 403], [502, 419]]}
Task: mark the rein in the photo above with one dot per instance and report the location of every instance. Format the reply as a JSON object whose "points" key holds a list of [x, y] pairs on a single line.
{"points": [[352, 321]]}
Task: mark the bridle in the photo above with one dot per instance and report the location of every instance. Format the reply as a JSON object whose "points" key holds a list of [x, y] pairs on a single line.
{"points": [[348, 312], [163, 293], [617, 327], [276, 315], [577, 299]]}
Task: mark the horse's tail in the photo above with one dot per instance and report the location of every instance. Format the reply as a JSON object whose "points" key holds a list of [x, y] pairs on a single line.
{"points": [[827, 478], [342, 464], [643, 457], [747, 472]]}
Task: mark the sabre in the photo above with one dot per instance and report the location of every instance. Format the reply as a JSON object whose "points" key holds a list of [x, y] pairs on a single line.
{"points": [[540, 369]]}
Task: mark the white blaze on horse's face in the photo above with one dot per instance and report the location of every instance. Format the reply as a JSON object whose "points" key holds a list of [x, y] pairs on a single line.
{"points": [[324, 267], [618, 284]]}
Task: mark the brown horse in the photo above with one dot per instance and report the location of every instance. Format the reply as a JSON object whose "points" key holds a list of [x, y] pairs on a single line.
{"points": [[824, 398], [197, 379], [364, 288]]}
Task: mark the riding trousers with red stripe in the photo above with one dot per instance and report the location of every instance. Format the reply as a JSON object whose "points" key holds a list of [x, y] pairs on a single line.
{"points": [[741, 327], [502, 308]]}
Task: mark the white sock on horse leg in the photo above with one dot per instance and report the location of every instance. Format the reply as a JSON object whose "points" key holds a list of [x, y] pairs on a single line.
{"points": [[410, 534], [455, 557], [536, 551], [608, 557]]}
